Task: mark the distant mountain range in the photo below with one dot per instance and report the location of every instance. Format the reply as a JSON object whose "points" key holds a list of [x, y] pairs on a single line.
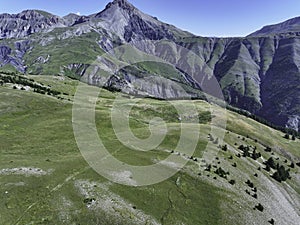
{"points": [[259, 73]]}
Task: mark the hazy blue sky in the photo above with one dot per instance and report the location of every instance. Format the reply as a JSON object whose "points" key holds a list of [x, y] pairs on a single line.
{"points": [[201, 17]]}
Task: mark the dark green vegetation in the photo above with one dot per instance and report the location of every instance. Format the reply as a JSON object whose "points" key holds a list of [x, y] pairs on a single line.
{"points": [[45, 180]]}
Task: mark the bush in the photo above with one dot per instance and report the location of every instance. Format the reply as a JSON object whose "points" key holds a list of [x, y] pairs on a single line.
{"points": [[89, 200], [271, 221], [250, 184], [268, 149], [221, 172], [281, 174], [210, 137], [259, 207], [224, 148], [245, 150], [268, 168], [271, 163], [255, 155], [208, 168], [232, 182]]}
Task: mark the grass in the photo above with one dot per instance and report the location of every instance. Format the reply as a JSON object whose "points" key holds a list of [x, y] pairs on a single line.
{"points": [[83, 49], [36, 131]]}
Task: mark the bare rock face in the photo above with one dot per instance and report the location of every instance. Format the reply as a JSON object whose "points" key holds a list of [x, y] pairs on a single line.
{"points": [[27, 23], [294, 122], [4, 53], [71, 19], [131, 24], [6, 57]]}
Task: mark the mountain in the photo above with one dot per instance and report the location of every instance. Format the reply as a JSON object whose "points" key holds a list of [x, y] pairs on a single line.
{"points": [[259, 73], [291, 27]]}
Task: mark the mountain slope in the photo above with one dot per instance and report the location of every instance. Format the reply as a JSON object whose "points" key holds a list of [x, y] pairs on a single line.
{"points": [[291, 27], [258, 73]]}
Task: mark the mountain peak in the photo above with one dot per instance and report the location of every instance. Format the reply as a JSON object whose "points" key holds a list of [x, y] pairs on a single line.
{"points": [[124, 4]]}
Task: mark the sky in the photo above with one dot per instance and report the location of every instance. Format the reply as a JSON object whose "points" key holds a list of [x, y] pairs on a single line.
{"points": [[219, 18]]}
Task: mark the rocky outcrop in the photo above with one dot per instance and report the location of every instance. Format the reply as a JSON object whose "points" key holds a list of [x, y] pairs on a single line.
{"points": [[27, 22], [6, 58], [71, 19], [294, 122]]}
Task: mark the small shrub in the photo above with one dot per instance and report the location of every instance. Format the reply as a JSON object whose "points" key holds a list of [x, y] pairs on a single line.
{"points": [[268, 168], [89, 200], [268, 149], [281, 174], [224, 148], [271, 221], [208, 168], [250, 184], [255, 155], [271, 163], [259, 207], [232, 182], [221, 172]]}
